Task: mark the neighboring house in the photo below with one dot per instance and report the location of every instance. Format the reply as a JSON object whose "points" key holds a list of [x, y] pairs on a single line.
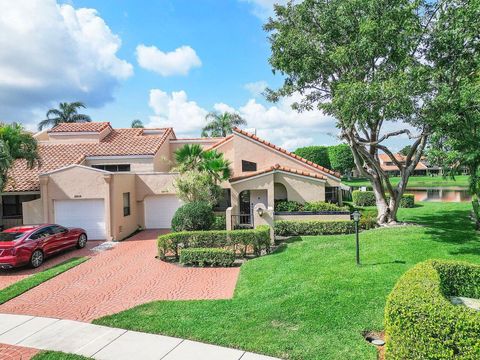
{"points": [[422, 168], [111, 181]]}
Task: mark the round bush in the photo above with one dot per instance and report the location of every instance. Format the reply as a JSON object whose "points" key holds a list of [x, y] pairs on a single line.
{"points": [[193, 216]]}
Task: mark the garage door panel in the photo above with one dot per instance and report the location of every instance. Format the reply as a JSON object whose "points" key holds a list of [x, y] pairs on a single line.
{"points": [[159, 211], [86, 214]]}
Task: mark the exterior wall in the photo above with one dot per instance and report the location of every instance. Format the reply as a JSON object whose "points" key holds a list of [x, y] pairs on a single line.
{"points": [[264, 156], [33, 212], [75, 183], [136, 165], [154, 184], [260, 183], [122, 226], [301, 217], [163, 159], [301, 189]]}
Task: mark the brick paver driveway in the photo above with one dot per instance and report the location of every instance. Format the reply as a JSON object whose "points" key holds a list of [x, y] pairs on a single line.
{"points": [[118, 279]]}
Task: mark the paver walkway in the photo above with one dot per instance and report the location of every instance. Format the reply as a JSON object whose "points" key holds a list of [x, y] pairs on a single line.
{"points": [[118, 279], [10, 276], [105, 343]]}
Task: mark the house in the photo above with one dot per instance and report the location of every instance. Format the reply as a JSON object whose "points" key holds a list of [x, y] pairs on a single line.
{"points": [[391, 168], [111, 181]]}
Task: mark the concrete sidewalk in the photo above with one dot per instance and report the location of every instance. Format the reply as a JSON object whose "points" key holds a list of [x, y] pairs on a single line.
{"points": [[101, 342]]}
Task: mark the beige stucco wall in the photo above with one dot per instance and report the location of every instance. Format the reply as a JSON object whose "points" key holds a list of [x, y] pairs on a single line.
{"points": [[264, 182], [122, 226], [301, 189], [163, 159], [264, 156], [33, 211], [154, 184]]}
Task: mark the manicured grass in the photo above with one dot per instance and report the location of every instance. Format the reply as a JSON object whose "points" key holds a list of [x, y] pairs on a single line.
{"points": [[419, 181], [55, 355], [309, 300], [26, 284]]}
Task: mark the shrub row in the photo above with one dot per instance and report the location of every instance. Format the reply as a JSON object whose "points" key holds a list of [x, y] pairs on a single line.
{"points": [[367, 198], [420, 320], [313, 227], [207, 257], [294, 206], [220, 223], [239, 240]]}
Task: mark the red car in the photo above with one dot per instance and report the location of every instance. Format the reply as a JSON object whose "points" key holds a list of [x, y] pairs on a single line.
{"points": [[31, 244]]}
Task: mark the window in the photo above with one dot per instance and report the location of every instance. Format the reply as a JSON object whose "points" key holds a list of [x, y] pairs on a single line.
{"points": [[249, 166], [42, 233], [56, 229], [331, 194], [126, 204], [12, 205], [113, 168]]}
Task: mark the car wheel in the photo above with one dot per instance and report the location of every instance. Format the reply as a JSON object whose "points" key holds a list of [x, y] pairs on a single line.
{"points": [[82, 241], [37, 258]]}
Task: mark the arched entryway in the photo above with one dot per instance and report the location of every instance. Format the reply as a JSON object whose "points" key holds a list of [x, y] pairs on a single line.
{"points": [[280, 192]]}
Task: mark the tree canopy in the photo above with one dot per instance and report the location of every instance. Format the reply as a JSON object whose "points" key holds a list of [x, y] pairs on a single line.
{"points": [[66, 113], [315, 153], [137, 124], [221, 124], [363, 63]]}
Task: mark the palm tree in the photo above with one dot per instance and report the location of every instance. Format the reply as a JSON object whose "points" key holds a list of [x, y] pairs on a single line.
{"points": [[137, 124], [66, 113], [193, 158], [221, 124], [16, 143]]}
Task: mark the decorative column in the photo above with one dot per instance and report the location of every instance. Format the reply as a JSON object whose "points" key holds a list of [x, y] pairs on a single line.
{"points": [[44, 196], [108, 212]]}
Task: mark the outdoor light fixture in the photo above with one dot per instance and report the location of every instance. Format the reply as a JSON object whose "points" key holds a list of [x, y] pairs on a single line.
{"points": [[260, 212], [356, 218]]}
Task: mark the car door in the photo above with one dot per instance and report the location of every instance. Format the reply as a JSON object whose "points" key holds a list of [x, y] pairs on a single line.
{"points": [[45, 239], [64, 237]]}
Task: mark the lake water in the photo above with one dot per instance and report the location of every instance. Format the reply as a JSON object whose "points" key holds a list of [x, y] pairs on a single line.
{"points": [[447, 194]]}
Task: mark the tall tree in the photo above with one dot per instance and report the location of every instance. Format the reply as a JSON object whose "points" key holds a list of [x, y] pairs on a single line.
{"points": [[221, 124], [455, 50], [137, 124], [341, 158], [315, 153], [15, 143], [360, 61], [66, 113]]}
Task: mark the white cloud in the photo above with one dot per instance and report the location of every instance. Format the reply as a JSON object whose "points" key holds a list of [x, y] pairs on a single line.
{"points": [[256, 88], [279, 124], [263, 9], [175, 110], [177, 62], [52, 52]]}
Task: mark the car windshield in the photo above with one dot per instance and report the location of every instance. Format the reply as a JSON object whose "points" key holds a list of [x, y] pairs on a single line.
{"points": [[10, 236]]}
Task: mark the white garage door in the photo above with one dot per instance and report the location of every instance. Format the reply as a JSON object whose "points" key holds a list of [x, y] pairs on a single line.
{"points": [[159, 211], [86, 214]]}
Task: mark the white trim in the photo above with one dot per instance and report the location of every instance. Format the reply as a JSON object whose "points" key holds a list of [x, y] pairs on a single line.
{"points": [[20, 193], [277, 171], [72, 166], [288, 156], [62, 133], [112, 157]]}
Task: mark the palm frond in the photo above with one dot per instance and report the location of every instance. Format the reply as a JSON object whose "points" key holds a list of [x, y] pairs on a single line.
{"points": [[76, 118]]}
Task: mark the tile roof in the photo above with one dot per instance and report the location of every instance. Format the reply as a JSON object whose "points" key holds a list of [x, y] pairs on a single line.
{"points": [[277, 167], [119, 142], [384, 158], [80, 127], [288, 153]]}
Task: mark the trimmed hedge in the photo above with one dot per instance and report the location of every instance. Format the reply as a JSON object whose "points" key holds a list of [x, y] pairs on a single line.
{"points": [[238, 240], [197, 215], [420, 320], [294, 206], [207, 257], [367, 198], [313, 227], [219, 223]]}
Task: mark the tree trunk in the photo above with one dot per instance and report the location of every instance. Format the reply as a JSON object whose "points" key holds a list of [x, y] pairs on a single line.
{"points": [[387, 210]]}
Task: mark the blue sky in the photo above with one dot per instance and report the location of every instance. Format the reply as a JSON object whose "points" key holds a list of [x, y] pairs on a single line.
{"points": [[165, 62]]}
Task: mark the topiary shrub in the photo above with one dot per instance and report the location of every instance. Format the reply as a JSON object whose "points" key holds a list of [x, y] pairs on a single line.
{"points": [[313, 227], [197, 215], [319, 206], [407, 201], [420, 320], [207, 257]]}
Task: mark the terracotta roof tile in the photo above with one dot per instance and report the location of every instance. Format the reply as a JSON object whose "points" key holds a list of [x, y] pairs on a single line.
{"points": [[80, 127], [277, 167], [54, 156], [384, 158], [286, 152]]}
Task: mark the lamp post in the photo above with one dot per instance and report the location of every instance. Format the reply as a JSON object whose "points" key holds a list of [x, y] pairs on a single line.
{"points": [[356, 218]]}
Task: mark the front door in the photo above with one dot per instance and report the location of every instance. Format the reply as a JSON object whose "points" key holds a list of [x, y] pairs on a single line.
{"points": [[245, 208]]}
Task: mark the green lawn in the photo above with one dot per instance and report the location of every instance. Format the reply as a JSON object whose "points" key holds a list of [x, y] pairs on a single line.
{"points": [[419, 181], [26, 284], [309, 300], [55, 355]]}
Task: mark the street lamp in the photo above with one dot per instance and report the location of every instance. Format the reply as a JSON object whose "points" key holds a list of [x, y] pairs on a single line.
{"points": [[356, 218]]}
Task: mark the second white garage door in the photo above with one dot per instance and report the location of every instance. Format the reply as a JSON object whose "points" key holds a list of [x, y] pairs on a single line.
{"points": [[159, 211], [86, 214]]}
